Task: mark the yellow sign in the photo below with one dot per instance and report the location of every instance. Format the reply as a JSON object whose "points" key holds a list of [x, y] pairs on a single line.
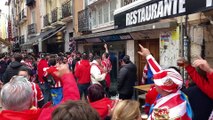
{"points": [[176, 34]]}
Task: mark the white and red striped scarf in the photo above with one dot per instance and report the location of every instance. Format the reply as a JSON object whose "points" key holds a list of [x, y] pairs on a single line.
{"points": [[175, 106], [58, 83]]}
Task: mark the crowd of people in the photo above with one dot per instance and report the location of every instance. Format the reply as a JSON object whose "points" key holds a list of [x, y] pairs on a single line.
{"points": [[76, 86]]}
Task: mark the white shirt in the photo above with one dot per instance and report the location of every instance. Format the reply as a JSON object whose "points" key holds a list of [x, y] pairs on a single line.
{"points": [[95, 73]]}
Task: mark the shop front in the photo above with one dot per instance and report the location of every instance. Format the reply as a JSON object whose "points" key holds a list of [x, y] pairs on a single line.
{"points": [[157, 25]]}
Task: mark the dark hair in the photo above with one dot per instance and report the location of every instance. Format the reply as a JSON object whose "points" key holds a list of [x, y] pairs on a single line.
{"points": [[26, 70], [106, 55], [75, 110], [126, 59], [97, 57], [95, 92], [52, 62], [18, 57], [85, 56]]}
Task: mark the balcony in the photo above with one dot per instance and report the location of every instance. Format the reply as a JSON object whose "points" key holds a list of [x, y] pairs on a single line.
{"points": [[23, 16], [46, 20], [56, 16], [32, 29], [67, 11], [30, 2], [21, 40], [83, 21]]}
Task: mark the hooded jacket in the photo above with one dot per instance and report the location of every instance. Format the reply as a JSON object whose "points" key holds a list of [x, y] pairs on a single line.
{"points": [[127, 77], [83, 72], [101, 106], [12, 70], [70, 92]]}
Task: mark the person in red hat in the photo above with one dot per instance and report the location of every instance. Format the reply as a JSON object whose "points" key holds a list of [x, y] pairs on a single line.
{"points": [[171, 102]]}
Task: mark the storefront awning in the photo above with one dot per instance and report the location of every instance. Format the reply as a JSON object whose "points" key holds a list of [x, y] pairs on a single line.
{"points": [[154, 26], [44, 35], [53, 33]]}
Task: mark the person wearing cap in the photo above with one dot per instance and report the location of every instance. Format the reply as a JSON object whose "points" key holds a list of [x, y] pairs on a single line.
{"points": [[171, 102], [127, 77], [83, 66]]}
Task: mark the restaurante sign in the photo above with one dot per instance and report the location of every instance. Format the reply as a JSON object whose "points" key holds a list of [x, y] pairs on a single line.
{"points": [[159, 9]]}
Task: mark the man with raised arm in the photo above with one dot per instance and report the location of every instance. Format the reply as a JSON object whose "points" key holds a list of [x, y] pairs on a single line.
{"points": [[171, 103], [17, 95]]}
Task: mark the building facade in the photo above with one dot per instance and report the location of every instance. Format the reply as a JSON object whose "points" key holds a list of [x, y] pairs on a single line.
{"points": [[169, 29], [42, 25]]}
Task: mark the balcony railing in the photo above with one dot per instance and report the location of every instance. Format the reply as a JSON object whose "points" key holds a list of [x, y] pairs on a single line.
{"points": [[23, 14], [46, 20], [56, 14], [83, 21], [67, 9], [32, 29], [21, 39]]}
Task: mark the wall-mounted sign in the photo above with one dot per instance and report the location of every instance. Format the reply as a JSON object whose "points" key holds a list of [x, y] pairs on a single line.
{"points": [[159, 9]]}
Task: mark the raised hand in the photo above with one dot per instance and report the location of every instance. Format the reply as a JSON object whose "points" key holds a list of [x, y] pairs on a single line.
{"points": [[105, 46], [182, 62], [202, 64], [143, 51]]}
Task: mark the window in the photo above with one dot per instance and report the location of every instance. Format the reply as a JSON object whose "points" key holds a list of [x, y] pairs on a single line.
{"points": [[94, 18], [100, 19], [112, 9], [126, 2], [33, 17], [106, 12]]}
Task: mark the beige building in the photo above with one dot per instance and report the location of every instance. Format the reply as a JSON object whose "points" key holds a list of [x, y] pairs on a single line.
{"points": [[133, 22], [42, 25]]}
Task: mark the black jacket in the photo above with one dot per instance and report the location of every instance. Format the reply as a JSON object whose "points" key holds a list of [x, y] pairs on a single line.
{"points": [[12, 69], [127, 77], [201, 104], [3, 66]]}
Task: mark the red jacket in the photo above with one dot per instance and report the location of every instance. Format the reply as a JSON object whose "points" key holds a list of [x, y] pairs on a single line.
{"points": [[101, 106], [205, 86], [70, 92], [50, 70], [150, 98], [82, 71], [41, 65], [107, 64]]}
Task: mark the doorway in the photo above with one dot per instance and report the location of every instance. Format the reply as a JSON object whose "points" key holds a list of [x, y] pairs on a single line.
{"points": [[153, 46]]}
